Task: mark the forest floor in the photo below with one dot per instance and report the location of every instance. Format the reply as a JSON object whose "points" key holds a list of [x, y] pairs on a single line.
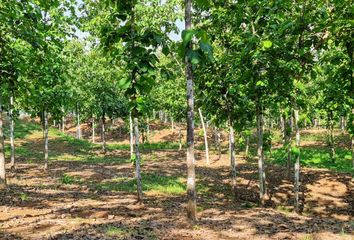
{"points": [[88, 195]]}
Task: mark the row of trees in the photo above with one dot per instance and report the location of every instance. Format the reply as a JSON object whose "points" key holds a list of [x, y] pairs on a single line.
{"points": [[240, 63]]}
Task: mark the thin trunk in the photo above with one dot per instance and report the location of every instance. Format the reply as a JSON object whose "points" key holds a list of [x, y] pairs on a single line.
{"points": [[166, 118], [342, 124], [78, 127], [2, 151], [352, 147], [147, 129], [131, 136], [297, 163], [191, 193], [93, 128], [12, 130], [282, 126], [205, 137], [103, 134], [180, 138], [217, 141], [172, 125], [260, 154], [153, 114], [45, 140], [352, 140], [137, 161], [63, 120], [331, 129], [247, 145], [288, 144], [232, 155]]}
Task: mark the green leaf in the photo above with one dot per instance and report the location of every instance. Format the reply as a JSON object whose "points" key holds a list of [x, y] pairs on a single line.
{"points": [[187, 36], [267, 44], [124, 83]]}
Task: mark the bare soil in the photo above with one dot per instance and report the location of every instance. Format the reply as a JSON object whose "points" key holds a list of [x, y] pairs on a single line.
{"points": [[37, 205]]}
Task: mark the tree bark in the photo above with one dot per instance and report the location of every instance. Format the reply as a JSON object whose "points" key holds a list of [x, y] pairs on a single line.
{"points": [[288, 144], [172, 124], [260, 154], [103, 133], [93, 128], [137, 161], [78, 127], [282, 127], [247, 145], [232, 155], [45, 139], [331, 129], [131, 136], [2, 151], [63, 120], [147, 129], [217, 141], [297, 162], [191, 193], [12, 130], [342, 124], [205, 137], [180, 138]]}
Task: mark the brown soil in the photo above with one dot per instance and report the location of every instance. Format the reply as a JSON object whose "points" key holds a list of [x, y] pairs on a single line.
{"points": [[52, 210]]}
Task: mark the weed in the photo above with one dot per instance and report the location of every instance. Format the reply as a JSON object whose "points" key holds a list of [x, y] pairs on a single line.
{"points": [[23, 196], [67, 179]]}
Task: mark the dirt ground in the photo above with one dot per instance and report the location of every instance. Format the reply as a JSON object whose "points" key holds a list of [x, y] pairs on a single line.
{"points": [[37, 205]]}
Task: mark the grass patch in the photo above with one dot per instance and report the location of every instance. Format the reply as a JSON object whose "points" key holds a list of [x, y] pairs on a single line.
{"points": [[151, 182], [67, 179], [317, 158], [22, 129]]}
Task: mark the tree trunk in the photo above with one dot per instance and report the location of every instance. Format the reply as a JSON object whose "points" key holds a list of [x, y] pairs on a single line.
{"points": [[288, 144], [297, 163], [191, 193], [93, 128], [103, 133], [131, 136], [12, 130], [232, 155], [282, 127], [137, 161], [147, 129], [247, 145], [217, 141], [166, 117], [260, 154], [205, 137], [331, 129], [172, 125], [45, 139], [78, 127], [2, 151], [180, 138], [352, 147], [63, 120], [342, 124], [352, 138]]}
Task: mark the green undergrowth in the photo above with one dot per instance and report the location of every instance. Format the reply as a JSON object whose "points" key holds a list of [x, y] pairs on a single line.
{"points": [[157, 183], [151, 182], [317, 158]]}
